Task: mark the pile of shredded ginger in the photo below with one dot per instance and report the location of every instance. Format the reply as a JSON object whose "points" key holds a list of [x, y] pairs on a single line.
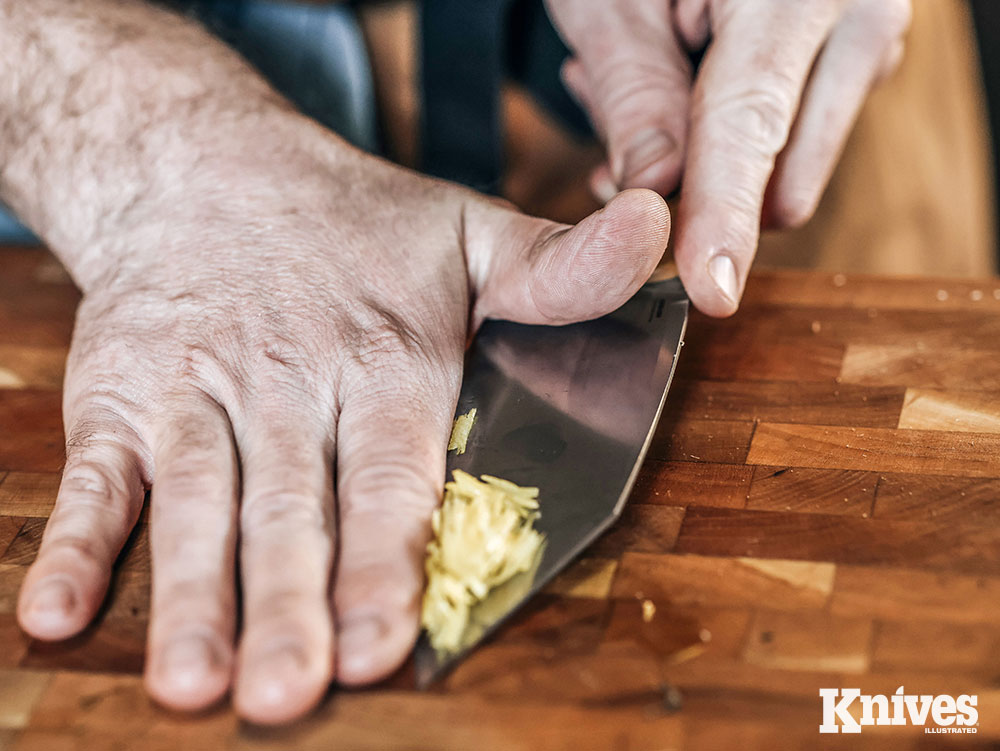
{"points": [[483, 536]]}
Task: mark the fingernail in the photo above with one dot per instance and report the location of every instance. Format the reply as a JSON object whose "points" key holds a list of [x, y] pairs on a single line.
{"points": [[187, 662], [276, 674], [648, 147], [604, 188], [360, 634], [723, 273], [52, 598]]}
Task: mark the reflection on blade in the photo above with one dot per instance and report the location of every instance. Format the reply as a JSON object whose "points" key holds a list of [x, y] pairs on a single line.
{"points": [[570, 410]]}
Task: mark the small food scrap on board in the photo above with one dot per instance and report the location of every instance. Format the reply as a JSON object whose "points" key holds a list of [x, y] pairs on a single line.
{"points": [[460, 431]]}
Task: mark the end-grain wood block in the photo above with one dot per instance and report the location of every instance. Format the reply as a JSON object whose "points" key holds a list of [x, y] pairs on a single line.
{"points": [[32, 437], [816, 641], [936, 646], [31, 367], [907, 594], [10, 584], [804, 490], [946, 500], [723, 582], [28, 494], [10, 527], [679, 632], [113, 645], [574, 624], [642, 528], [720, 441], [916, 366], [687, 483], [815, 403], [877, 449], [24, 547], [953, 411], [589, 577], [15, 642], [19, 691]]}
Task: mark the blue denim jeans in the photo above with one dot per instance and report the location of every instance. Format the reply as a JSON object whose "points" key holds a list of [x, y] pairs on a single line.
{"points": [[314, 54]]}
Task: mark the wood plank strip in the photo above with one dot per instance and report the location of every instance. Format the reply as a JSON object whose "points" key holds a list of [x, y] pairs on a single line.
{"points": [[954, 411], [816, 403], [28, 494], [117, 714], [876, 449], [919, 366], [936, 646], [718, 441], [900, 594], [723, 582], [813, 491], [806, 289], [946, 500], [684, 483], [753, 355], [818, 642], [840, 539]]}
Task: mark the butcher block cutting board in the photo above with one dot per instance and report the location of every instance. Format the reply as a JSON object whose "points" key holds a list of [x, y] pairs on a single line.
{"points": [[820, 507]]}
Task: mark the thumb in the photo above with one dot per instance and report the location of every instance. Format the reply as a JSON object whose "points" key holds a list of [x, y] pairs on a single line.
{"points": [[536, 271], [633, 77]]}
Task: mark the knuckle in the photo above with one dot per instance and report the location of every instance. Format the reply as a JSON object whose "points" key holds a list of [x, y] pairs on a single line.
{"points": [[95, 486], [299, 614], [91, 552], [406, 481], [283, 509], [632, 86], [181, 600], [386, 335], [756, 118]]}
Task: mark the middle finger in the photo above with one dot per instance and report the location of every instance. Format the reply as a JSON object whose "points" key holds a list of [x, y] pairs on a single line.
{"points": [[286, 519]]}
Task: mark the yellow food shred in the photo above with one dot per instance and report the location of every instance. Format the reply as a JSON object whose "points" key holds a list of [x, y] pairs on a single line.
{"points": [[648, 610], [460, 431], [483, 536]]}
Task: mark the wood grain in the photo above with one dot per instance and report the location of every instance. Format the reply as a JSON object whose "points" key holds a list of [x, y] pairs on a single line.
{"points": [[820, 506], [877, 449], [952, 411]]}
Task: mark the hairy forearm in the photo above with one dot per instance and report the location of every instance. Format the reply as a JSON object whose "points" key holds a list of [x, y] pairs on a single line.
{"points": [[112, 110]]}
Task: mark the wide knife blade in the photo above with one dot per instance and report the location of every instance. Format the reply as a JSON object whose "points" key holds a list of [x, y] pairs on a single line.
{"points": [[571, 410]]}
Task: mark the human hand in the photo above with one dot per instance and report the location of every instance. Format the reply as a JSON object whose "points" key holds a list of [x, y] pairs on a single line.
{"points": [[278, 354], [755, 135]]}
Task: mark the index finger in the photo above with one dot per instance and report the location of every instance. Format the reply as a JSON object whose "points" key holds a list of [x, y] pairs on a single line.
{"points": [[745, 99]]}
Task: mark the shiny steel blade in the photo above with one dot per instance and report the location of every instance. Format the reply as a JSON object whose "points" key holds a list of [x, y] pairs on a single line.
{"points": [[571, 410]]}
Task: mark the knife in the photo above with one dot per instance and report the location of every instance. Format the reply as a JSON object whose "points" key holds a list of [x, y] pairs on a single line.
{"points": [[571, 410]]}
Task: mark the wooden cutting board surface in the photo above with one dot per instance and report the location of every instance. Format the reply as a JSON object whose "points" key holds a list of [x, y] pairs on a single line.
{"points": [[820, 508]]}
